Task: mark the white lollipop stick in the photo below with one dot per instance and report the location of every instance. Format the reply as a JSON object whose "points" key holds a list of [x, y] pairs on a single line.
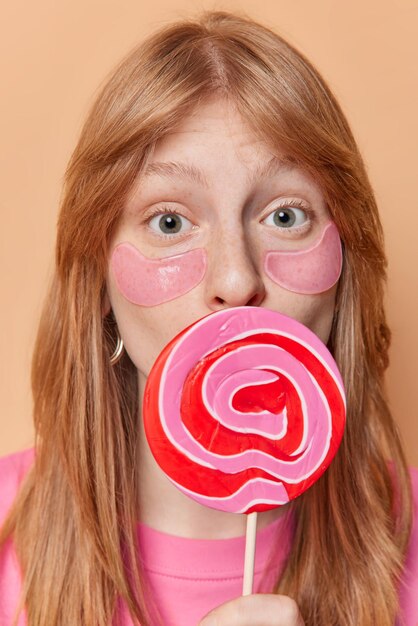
{"points": [[244, 410], [250, 537]]}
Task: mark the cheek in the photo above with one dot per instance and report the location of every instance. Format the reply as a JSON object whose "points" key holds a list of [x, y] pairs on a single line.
{"points": [[315, 311], [310, 271], [149, 282]]}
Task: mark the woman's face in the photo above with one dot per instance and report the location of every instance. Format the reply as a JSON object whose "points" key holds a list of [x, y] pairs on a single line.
{"points": [[214, 198]]}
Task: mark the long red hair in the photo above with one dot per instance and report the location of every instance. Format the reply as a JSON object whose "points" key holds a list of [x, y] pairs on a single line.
{"points": [[73, 523]]}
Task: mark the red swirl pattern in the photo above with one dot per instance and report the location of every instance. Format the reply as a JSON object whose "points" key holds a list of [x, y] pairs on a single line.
{"points": [[244, 410]]}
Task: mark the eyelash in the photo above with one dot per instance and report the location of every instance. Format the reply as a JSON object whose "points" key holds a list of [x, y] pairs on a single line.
{"points": [[162, 211], [299, 204]]}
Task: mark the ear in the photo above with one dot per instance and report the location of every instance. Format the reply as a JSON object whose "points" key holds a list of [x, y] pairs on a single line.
{"points": [[106, 306]]}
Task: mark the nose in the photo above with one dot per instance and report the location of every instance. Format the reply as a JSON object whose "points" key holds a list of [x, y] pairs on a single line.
{"points": [[232, 278]]}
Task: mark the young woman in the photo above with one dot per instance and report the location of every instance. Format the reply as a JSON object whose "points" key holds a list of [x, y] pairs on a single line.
{"points": [[213, 135]]}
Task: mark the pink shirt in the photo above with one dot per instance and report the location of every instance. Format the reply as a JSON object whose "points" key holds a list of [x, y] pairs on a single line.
{"points": [[196, 575]]}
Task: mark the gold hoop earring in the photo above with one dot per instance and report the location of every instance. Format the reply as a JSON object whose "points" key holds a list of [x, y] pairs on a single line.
{"points": [[117, 354]]}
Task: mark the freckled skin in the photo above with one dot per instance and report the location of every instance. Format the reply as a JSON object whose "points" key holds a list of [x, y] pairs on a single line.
{"points": [[226, 219], [149, 282], [215, 139]]}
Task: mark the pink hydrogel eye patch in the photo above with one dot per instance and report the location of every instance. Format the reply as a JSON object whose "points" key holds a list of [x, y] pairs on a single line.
{"points": [[149, 282], [308, 271]]}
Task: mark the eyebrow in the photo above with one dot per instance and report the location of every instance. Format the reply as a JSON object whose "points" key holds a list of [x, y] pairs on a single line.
{"points": [[188, 172]]}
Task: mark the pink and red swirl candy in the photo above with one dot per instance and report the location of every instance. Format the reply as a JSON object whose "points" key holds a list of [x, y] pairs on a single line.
{"points": [[244, 410]]}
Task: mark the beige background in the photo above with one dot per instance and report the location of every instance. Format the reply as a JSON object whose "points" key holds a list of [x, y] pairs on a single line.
{"points": [[54, 56]]}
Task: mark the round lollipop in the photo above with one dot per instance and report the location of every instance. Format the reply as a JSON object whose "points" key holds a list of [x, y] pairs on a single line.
{"points": [[244, 409]]}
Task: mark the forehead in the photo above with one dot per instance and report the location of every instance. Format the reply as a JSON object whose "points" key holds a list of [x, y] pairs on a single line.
{"points": [[214, 148], [214, 137], [212, 123]]}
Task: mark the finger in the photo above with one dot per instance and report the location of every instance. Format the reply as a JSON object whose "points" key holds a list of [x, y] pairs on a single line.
{"points": [[259, 609]]}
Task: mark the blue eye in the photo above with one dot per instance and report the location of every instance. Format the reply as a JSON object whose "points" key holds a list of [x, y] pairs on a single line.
{"points": [[287, 217], [170, 223]]}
